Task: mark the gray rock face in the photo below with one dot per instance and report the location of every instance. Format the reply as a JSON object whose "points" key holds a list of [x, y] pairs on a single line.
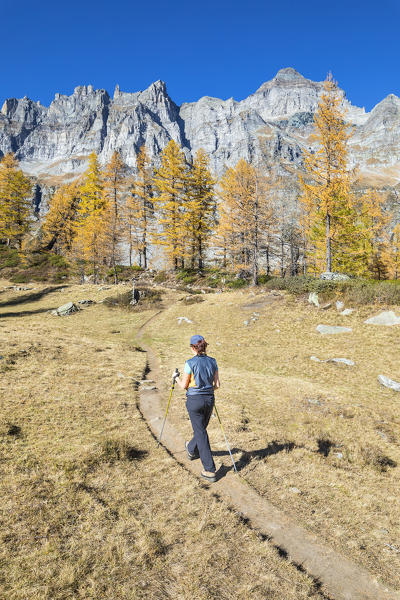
{"points": [[271, 126], [386, 317]]}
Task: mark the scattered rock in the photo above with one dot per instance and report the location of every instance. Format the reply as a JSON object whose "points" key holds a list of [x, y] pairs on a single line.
{"points": [[180, 319], [339, 305], [331, 329], [347, 311], [387, 317], [21, 289], [394, 548], [339, 455], [104, 287], [389, 383], [313, 299], [344, 361], [331, 276], [316, 359], [66, 309], [294, 490], [148, 388], [326, 306], [86, 302], [314, 401], [246, 323], [146, 381]]}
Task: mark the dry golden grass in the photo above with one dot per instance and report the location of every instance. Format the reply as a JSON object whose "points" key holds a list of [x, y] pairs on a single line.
{"points": [[90, 508], [321, 441]]}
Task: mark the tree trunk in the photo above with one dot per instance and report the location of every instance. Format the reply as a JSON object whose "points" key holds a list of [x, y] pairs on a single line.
{"points": [[268, 266], [328, 243], [282, 259], [200, 254], [304, 256], [255, 239], [130, 244]]}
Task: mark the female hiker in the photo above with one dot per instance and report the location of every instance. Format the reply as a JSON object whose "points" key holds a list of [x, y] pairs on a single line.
{"points": [[200, 379]]}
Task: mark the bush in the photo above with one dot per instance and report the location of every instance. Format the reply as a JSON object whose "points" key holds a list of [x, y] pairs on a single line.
{"points": [[235, 284], [148, 298], [21, 278], [187, 276], [356, 291], [124, 272], [9, 257], [161, 277]]}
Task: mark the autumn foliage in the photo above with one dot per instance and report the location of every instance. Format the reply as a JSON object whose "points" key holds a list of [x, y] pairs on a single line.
{"points": [[254, 221]]}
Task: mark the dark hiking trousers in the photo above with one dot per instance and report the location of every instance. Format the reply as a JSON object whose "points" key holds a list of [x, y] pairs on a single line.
{"points": [[199, 407]]}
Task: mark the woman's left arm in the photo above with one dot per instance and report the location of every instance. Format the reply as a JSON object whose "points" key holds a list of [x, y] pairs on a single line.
{"points": [[183, 381]]}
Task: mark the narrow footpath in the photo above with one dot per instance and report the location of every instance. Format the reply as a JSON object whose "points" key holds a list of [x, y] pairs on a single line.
{"points": [[340, 578]]}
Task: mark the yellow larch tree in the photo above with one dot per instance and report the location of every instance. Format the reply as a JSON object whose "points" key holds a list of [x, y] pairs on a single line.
{"points": [[91, 225], [58, 229], [327, 201], [170, 181], [376, 256], [16, 208], [140, 209], [114, 190], [395, 247], [200, 209], [244, 216]]}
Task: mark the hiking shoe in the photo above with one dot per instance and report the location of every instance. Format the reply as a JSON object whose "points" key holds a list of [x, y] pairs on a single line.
{"points": [[189, 454], [211, 477]]}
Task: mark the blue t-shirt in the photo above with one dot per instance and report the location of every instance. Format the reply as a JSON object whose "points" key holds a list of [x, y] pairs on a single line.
{"points": [[201, 369]]}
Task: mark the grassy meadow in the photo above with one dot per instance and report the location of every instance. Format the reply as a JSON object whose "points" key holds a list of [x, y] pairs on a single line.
{"points": [[89, 507], [320, 440]]}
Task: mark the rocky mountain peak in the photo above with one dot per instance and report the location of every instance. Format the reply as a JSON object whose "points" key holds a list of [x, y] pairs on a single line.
{"points": [[288, 74], [271, 126]]}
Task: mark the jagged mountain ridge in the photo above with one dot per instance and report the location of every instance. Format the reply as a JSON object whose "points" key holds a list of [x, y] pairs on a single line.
{"points": [[271, 126]]}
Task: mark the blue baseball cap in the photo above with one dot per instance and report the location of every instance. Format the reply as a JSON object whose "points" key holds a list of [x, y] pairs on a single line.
{"points": [[195, 339]]}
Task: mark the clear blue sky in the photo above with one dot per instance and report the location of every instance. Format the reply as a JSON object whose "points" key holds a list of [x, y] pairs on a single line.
{"points": [[216, 48]]}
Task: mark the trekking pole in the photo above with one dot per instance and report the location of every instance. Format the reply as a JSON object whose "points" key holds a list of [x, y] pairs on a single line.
{"points": [[174, 376], [226, 441]]}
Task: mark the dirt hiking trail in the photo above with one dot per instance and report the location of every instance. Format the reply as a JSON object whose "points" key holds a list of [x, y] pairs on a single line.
{"points": [[340, 578]]}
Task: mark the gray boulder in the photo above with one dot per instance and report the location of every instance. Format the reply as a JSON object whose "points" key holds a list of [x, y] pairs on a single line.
{"points": [[386, 317], [347, 311], [66, 309], [331, 276], [313, 299], [389, 383], [86, 302], [339, 305], [332, 329]]}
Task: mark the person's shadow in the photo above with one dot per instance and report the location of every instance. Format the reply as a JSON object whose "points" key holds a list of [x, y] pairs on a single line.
{"points": [[246, 457]]}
